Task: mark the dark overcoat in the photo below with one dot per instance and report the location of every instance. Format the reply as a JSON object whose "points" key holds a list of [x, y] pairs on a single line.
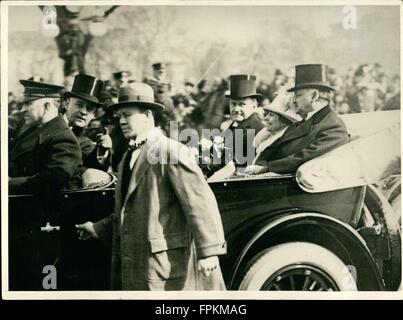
{"points": [[170, 219], [303, 141], [43, 159], [239, 139]]}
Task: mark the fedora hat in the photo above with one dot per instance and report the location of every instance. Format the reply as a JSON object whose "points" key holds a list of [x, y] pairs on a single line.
{"points": [[243, 86], [86, 87], [137, 94], [283, 107], [311, 76]]}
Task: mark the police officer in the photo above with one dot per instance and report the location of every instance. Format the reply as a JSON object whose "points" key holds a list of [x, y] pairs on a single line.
{"points": [[46, 155]]}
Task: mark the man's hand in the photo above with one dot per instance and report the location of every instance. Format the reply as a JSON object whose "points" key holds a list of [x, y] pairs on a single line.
{"points": [[251, 170], [207, 265], [86, 231], [104, 141]]}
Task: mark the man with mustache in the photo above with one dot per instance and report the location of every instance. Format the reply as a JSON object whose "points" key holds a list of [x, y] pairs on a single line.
{"points": [[45, 156], [80, 105]]}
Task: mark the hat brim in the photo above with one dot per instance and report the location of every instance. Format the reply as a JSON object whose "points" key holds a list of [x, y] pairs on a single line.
{"points": [[288, 117], [311, 85], [69, 94], [151, 105], [30, 99], [258, 96]]}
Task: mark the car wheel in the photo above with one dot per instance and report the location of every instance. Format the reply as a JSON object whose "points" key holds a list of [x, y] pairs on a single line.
{"points": [[390, 221], [299, 266]]}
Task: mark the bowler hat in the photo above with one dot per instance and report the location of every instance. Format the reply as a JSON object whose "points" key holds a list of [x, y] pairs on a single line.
{"points": [[86, 87], [243, 86], [311, 76], [137, 94], [34, 90]]}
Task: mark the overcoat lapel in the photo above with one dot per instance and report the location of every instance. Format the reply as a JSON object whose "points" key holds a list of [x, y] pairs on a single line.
{"points": [[139, 169], [302, 128], [142, 163]]}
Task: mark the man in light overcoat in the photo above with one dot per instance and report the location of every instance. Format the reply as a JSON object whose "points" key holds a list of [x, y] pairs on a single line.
{"points": [[166, 230]]}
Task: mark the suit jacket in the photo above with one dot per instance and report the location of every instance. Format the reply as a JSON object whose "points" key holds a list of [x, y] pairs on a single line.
{"points": [[252, 124], [304, 141], [43, 159], [171, 219]]}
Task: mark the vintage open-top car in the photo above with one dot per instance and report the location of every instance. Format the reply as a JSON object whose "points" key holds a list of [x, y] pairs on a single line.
{"points": [[334, 225]]}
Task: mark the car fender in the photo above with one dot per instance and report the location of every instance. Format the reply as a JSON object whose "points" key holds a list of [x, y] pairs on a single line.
{"points": [[327, 231]]}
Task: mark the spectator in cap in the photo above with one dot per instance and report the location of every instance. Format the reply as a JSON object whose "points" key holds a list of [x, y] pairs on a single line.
{"points": [[166, 230], [121, 78], [320, 131], [45, 156], [162, 91], [80, 106]]}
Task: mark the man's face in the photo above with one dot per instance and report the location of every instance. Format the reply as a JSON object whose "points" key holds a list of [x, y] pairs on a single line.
{"points": [[133, 121], [273, 122], [159, 73], [303, 100], [33, 112], [241, 109], [79, 112]]}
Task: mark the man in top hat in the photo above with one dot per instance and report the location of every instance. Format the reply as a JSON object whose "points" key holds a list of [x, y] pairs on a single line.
{"points": [[46, 155], [244, 124], [320, 131], [166, 217], [80, 106]]}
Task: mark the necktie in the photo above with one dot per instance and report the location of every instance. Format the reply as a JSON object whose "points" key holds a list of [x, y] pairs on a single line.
{"points": [[126, 174]]}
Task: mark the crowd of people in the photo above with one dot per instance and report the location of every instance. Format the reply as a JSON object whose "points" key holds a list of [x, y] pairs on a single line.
{"points": [[203, 104], [361, 89]]}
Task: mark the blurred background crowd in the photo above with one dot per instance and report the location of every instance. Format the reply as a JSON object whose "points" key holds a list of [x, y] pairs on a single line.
{"points": [[186, 53]]}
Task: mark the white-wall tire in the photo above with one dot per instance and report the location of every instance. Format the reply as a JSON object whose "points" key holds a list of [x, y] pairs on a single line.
{"points": [[294, 257]]}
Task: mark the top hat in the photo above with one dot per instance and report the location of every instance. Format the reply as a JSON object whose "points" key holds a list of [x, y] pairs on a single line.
{"points": [[34, 90], [119, 75], [283, 107], [311, 76], [137, 94], [87, 88], [243, 86]]}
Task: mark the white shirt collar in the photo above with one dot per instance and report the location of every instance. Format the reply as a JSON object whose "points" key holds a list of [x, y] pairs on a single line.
{"points": [[310, 114]]}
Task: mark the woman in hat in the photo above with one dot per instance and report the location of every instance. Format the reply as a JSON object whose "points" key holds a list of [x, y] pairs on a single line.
{"points": [[278, 116]]}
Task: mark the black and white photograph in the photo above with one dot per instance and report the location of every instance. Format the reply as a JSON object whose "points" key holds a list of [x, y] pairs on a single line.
{"points": [[188, 149]]}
